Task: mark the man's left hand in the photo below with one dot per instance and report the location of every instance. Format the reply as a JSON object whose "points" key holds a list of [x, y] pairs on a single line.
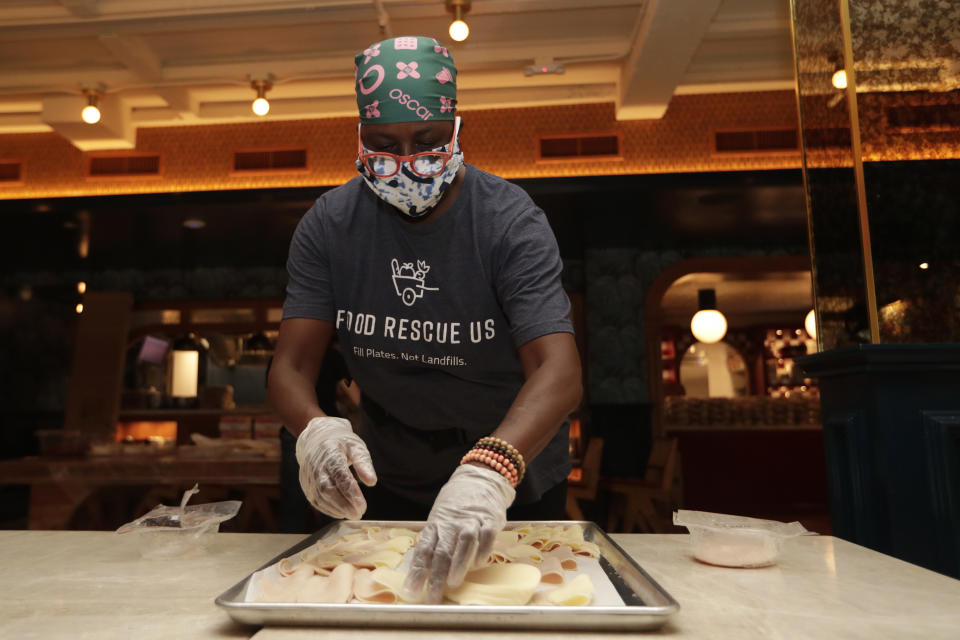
{"points": [[467, 515]]}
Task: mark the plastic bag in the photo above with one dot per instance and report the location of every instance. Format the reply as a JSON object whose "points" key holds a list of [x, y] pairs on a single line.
{"points": [[169, 531], [736, 541]]}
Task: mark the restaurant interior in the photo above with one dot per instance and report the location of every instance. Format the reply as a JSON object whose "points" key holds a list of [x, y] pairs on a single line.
{"points": [[692, 158]]}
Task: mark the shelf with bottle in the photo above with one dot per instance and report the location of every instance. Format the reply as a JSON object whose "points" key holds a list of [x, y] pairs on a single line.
{"points": [[783, 378]]}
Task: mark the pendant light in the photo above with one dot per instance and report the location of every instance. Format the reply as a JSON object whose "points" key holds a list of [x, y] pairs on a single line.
{"points": [[260, 105], [810, 324], [839, 79], [708, 325], [458, 28], [91, 113]]}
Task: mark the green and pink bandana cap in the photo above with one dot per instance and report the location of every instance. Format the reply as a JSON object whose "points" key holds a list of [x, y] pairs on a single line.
{"points": [[407, 79]]}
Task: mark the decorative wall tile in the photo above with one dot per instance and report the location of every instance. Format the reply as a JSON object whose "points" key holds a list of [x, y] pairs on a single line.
{"points": [[502, 141]]}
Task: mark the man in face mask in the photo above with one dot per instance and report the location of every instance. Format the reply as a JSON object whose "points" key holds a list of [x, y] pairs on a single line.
{"points": [[443, 285], [409, 154]]}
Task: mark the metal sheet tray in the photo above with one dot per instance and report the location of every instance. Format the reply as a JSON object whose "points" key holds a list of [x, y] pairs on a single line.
{"points": [[646, 604]]}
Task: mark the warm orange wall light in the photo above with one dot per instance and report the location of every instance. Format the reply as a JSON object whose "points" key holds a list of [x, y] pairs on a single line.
{"points": [[501, 141], [141, 430]]}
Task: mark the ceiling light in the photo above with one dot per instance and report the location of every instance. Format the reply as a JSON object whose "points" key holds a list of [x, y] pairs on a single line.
{"points": [[91, 113], [810, 324], [924, 265], [261, 106], [79, 308], [194, 223], [839, 79], [81, 287], [708, 325], [458, 28]]}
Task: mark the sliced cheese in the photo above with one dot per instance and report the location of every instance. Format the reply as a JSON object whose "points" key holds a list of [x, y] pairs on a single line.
{"points": [[383, 558], [500, 584], [381, 585], [577, 592]]}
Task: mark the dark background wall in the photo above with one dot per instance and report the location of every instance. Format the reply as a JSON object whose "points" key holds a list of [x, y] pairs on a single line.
{"points": [[616, 234]]}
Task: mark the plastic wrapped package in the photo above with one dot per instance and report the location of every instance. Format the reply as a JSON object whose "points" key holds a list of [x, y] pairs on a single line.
{"points": [[736, 541], [166, 531]]}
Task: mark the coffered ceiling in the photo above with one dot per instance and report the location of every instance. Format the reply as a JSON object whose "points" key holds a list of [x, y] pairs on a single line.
{"points": [[183, 62]]}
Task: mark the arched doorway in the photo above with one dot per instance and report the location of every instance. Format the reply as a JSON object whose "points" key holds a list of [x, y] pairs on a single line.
{"points": [[752, 444]]}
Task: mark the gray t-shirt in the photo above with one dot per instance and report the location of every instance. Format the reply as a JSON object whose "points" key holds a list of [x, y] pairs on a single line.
{"points": [[430, 316]]}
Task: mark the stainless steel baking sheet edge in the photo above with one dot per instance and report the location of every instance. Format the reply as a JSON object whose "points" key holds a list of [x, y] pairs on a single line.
{"points": [[646, 604]]}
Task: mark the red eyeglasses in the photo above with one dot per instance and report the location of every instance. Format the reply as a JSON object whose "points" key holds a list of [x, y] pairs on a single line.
{"points": [[425, 164]]}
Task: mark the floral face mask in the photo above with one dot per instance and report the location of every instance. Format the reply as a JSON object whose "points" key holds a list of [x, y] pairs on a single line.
{"points": [[412, 184]]}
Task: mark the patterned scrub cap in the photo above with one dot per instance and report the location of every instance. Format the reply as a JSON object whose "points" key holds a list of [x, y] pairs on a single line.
{"points": [[406, 79]]}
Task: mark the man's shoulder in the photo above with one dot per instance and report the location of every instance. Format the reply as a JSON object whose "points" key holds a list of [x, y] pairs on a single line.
{"points": [[487, 183], [348, 192], [500, 198], [338, 205]]}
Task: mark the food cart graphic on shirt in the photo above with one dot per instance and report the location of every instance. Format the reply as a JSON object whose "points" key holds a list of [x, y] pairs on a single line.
{"points": [[408, 280]]}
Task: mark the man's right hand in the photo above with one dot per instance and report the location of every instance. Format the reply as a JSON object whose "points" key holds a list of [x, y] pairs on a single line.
{"points": [[326, 450]]}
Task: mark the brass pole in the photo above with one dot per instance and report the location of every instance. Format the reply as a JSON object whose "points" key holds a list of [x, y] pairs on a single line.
{"points": [[803, 162], [867, 251]]}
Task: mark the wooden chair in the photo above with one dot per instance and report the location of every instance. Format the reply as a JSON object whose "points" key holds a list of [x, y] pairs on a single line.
{"points": [[635, 500], [586, 488]]}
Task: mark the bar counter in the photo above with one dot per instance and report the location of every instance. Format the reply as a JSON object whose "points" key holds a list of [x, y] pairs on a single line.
{"points": [[59, 485], [81, 584]]}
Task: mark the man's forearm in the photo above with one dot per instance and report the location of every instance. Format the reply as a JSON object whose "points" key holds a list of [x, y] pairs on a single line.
{"points": [[293, 397], [291, 385], [551, 392]]}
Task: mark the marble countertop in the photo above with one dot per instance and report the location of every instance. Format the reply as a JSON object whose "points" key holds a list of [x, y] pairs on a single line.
{"points": [[95, 584], [81, 584]]}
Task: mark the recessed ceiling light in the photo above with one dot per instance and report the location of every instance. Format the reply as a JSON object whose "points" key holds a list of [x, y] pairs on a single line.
{"points": [[924, 265], [194, 223]]}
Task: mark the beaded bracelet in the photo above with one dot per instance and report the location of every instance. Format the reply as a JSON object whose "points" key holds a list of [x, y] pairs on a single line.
{"points": [[494, 465], [500, 452], [506, 470], [502, 448], [507, 449], [495, 457]]}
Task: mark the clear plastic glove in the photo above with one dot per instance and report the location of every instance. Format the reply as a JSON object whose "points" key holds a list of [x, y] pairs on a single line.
{"points": [[469, 512], [326, 450]]}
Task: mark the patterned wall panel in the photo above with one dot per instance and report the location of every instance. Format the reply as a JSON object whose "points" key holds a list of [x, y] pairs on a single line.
{"points": [[882, 141], [910, 50], [502, 141], [903, 45]]}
